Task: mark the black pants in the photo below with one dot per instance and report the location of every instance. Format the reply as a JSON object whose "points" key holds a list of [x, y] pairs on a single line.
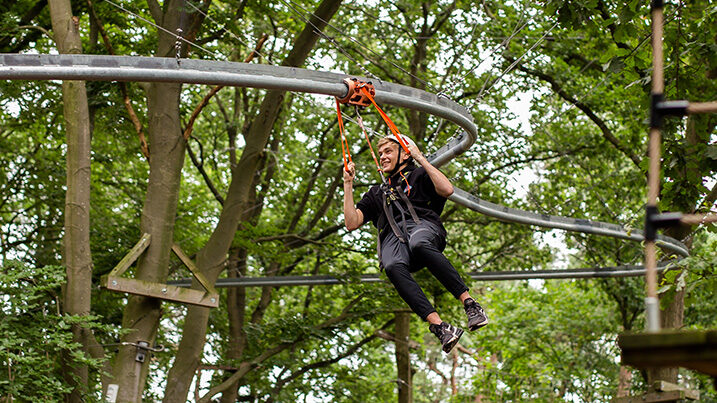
{"points": [[424, 249]]}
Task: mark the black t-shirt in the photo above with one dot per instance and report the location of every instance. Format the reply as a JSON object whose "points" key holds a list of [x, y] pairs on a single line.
{"points": [[422, 194]]}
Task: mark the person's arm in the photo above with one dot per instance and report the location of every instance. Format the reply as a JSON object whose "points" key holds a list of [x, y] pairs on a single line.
{"points": [[443, 186], [353, 217]]}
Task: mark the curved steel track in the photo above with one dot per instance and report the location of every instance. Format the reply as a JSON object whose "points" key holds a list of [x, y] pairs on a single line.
{"points": [[156, 69]]}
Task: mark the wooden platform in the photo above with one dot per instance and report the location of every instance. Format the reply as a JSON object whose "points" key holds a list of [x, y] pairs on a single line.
{"points": [[693, 349], [661, 391]]}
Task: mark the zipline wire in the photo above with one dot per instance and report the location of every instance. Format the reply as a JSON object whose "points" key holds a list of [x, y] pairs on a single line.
{"points": [[173, 34], [330, 39], [232, 34], [453, 84], [361, 44], [515, 63]]}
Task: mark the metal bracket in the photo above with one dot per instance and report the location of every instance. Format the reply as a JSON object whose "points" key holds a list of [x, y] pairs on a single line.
{"points": [[655, 220], [659, 108], [143, 348]]}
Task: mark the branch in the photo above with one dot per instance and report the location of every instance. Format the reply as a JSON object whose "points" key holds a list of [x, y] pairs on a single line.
{"points": [[220, 31], [247, 366], [441, 19], [39, 28], [606, 132], [710, 199], [205, 176], [432, 367], [26, 19], [198, 109], [320, 364], [605, 14], [123, 87], [487, 176]]}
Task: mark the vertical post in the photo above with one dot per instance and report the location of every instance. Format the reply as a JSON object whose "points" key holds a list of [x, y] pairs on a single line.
{"points": [[652, 305], [403, 357]]}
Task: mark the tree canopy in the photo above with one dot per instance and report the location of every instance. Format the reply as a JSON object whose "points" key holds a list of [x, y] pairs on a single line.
{"points": [[248, 183]]}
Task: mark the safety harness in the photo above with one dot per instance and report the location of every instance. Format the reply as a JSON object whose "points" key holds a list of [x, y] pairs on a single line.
{"points": [[392, 196]]}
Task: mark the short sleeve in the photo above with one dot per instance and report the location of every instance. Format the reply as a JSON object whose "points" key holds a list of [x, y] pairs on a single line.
{"points": [[368, 207], [428, 185]]}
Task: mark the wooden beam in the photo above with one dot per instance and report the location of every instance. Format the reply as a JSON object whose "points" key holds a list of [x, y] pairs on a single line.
{"points": [[193, 268], [161, 291], [114, 282], [131, 256]]}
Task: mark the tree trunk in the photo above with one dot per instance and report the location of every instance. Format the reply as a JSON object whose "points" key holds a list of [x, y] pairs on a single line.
{"points": [[236, 308], [167, 147], [403, 357], [77, 255], [211, 258], [624, 382], [142, 314]]}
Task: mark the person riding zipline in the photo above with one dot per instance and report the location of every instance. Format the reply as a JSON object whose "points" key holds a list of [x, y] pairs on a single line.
{"points": [[406, 210]]}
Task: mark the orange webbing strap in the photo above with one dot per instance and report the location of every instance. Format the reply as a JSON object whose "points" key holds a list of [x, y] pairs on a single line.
{"points": [[388, 121], [344, 142], [360, 123]]}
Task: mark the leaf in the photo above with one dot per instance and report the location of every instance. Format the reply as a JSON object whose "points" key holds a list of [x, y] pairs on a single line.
{"points": [[664, 288], [711, 151], [681, 279]]}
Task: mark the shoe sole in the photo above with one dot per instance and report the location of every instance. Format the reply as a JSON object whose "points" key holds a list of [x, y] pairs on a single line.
{"points": [[452, 343], [477, 326]]}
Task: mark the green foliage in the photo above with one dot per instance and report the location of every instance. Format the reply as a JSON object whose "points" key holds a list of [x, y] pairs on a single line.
{"points": [[539, 340], [584, 79], [35, 334], [699, 280]]}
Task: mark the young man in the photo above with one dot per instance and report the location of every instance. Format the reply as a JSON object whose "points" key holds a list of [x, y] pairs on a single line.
{"points": [[406, 210]]}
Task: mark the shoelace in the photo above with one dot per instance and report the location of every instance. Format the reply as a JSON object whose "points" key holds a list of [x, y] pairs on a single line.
{"points": [[473, 309]]}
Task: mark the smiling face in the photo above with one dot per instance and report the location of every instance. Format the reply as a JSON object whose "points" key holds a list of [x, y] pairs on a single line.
{"points": [[388, 155]]}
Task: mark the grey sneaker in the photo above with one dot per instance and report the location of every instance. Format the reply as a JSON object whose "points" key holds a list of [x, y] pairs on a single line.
{"points": [[476, 315], [447, 334]]}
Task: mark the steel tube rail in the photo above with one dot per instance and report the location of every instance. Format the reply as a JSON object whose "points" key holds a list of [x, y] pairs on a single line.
{"points": [[279, 281], [157, 69], [569, 224]]}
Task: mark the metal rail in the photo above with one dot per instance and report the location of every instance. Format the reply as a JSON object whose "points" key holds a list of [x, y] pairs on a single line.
{"points": [[569, 224], [283, 281], [157, 69], [162, 69]]}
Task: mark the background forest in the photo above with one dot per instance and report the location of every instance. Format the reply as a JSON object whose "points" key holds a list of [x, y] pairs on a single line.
{"points": [[251, 187]]}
